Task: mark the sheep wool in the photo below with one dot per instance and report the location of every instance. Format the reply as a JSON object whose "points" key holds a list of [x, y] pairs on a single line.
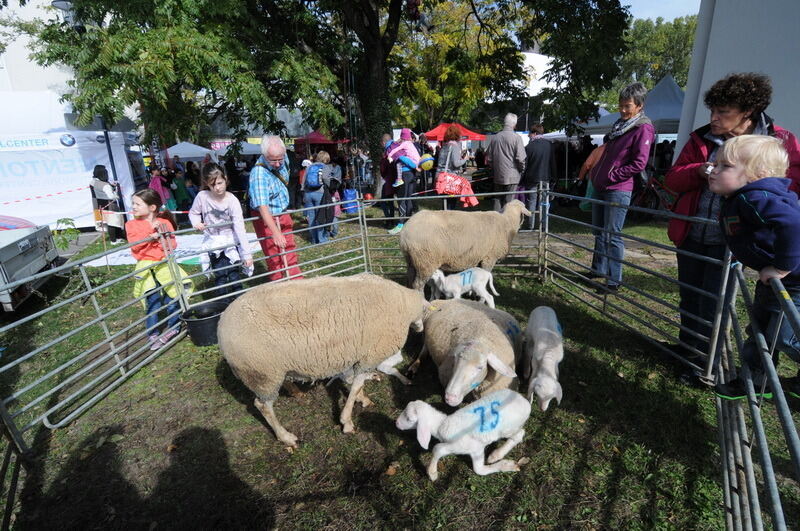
{"points": [[316, 328], [454, 240], [460, 326]]}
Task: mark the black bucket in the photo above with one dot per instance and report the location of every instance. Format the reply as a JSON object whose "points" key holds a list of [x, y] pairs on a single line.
{"points": [[201, 322]]}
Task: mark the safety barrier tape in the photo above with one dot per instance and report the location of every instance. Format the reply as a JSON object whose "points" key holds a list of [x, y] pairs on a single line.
{"points": [[43, 196]]}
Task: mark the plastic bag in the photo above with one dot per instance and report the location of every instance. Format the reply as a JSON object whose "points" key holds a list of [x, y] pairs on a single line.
{"points": [[586, 206]]}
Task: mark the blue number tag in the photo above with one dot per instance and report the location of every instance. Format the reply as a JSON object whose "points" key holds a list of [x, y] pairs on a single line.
{"points": [[495, 416], [466, 277]]}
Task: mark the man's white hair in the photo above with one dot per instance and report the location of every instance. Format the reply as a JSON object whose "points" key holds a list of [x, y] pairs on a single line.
{"points": [[510, 120], [272, 142]]}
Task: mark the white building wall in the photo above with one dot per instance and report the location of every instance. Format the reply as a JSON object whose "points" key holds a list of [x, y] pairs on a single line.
{"points": [[745, 36]]}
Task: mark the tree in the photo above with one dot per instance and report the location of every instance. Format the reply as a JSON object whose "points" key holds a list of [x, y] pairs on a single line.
{"points": [[442, 75], [655, 49], [181, 65]]}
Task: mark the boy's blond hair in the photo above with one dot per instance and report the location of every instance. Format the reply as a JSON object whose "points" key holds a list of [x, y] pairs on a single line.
{"points": [[761, 155], [323, 157]]}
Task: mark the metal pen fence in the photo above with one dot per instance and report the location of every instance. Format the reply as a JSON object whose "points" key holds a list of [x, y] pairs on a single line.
{"points": [[64, 356]]}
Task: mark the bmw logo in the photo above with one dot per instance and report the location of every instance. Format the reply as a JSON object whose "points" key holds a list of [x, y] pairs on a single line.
{"points": [[67, 140]]}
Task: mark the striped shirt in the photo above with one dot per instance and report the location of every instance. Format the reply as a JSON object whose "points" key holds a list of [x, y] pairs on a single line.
{"points": [[267, 189]]}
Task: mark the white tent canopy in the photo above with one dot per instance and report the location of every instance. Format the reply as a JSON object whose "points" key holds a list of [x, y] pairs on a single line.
{"points": [[188, 151], [663, 106], [245, 148]]}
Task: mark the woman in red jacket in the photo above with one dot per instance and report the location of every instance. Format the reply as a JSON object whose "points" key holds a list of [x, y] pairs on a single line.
{"points": [[737, 103]]}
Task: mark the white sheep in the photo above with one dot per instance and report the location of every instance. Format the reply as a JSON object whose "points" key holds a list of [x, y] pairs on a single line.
{"points": [[474, 347], [473, 280], [544, 350], [313, 329], [499, 415], [454, 240]]}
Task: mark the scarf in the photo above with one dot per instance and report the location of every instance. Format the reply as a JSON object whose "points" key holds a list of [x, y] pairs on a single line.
{"points": [[621, 126]]}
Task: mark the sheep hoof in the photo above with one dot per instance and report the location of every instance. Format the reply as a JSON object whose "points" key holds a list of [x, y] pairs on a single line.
{"points": [[494, 456], [289, 439], [347, 427], [433, 473], [412, 369], [403, 379], [365, 402], [507, 465]]}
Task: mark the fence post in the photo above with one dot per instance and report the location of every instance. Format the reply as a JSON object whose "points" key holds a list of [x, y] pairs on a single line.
{"points": [[103, 325], [543, 208], [721, 324], [172, 264], [362, 226]]}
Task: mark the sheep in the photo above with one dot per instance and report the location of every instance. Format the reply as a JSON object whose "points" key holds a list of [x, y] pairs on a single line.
{"points": [[474, 347], [544, 350], [473, 280], [498, 415], [313, 329], [454, 240]]}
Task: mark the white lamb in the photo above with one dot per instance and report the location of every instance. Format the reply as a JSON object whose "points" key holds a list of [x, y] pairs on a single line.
{"points": [[454, 240], [544, 350], [473, 280], [498, 415], [317, 328]]}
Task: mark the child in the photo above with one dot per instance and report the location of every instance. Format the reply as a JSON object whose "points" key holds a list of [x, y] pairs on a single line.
{"points": [[152, 276], [336, 199], [404, 154], [226, 245], [759, 218]]}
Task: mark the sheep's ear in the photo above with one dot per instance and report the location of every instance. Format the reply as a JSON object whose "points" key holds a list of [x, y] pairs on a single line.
{"points": [[423, 433], [526, 212], [559, 393], [498, 365]]}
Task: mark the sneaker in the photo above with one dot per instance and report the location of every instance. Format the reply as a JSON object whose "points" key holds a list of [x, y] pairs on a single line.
{"points": [[168, 335], [608, 290], [734, 390], [397, 229], [155, 342], [398, 183]]}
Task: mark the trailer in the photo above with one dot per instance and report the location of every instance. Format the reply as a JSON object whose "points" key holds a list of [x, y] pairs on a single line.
{"points": [[23, 253]]}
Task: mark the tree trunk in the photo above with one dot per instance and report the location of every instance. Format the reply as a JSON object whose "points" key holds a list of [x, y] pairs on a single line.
{"points": [[373, 98]]}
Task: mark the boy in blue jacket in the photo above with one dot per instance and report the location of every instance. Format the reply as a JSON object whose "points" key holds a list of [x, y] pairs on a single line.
{"points": [[760, 219]]}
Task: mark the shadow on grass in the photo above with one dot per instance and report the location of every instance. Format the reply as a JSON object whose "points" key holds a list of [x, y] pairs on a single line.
{"points": [[197, 490]]}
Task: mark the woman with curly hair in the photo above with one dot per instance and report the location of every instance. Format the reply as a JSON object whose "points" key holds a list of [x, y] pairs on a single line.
{"points": [[737, 104]]}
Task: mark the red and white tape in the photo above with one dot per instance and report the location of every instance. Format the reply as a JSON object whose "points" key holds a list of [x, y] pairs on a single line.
{"points": [[34, 198]]}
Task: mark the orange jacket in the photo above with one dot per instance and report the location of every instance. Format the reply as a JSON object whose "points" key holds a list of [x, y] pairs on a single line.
{"points": [[139, 229]]}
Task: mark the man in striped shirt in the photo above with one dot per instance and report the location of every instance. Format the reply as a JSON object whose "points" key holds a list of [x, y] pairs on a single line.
{"points": [[269, 199]]}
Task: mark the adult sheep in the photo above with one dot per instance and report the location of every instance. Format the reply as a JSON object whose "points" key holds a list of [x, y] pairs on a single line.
{"points": [[474, 347], [454, 240], [313, 329]]}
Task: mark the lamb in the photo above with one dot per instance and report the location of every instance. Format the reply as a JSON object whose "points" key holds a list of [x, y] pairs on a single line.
{"points": [[498, 415], [313, 329], [454, 240], [473, 280], [474, 347], [544, 350]]}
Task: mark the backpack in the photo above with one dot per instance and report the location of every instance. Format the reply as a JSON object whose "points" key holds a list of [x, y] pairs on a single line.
{"points": [[314, 176]]}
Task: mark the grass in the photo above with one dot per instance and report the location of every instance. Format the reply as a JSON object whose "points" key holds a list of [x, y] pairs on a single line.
{"points": [[180, 445]]}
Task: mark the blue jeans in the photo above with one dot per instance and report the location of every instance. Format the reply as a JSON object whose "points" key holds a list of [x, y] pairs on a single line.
{"points": [[333, 230], [702, 275], [312, 199], [224, 273], [609, 249], [766, 311], [155, 300], [407, 190]]}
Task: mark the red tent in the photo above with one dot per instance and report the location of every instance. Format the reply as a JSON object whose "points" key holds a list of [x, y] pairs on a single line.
{"points": [[315, 137], [437, 133]]}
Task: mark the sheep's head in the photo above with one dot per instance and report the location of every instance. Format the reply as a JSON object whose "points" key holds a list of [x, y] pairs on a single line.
{"points": [[412, 417], [546, 389], [516, 208], [471, 364]]}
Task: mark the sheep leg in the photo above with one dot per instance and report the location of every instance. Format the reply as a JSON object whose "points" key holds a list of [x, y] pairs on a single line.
{"points": [[292, 389], [387, 366], [363, 399], [439, 451], [414, 367], [265, 407], [506, 447], [346, 418], [482, 469], [484, 296]]}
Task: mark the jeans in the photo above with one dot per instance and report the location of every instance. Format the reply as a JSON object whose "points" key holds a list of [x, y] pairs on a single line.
{"points": [[224, 273], [313, 199], [532, 201], [766, 312], [155, 300], [702, 275], [609, 249], [501, 200], [333, 230], [403, 205]]}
